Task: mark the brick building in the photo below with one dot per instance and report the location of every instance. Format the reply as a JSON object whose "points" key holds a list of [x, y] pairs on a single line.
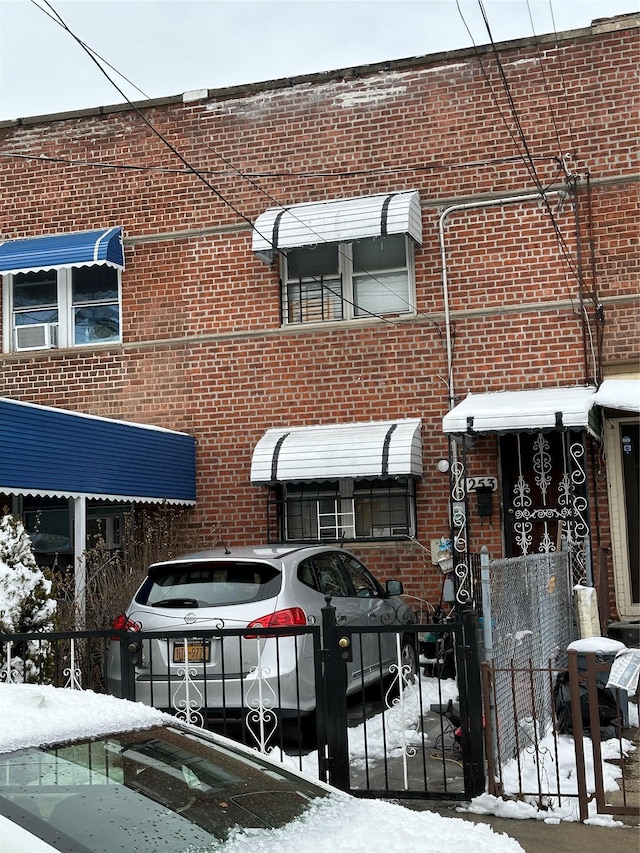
{"points": [[360, 292]]}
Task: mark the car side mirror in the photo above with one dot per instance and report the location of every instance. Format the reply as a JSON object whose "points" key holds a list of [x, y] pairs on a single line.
{"points": [[394, 587]]}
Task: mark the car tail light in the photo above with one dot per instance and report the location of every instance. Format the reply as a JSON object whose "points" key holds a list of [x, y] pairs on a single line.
{"points": [[279, 619], [123, 623]]}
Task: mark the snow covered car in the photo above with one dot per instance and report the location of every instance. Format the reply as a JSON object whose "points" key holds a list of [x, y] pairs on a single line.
{"points": [[258, 587], [87, 773]]}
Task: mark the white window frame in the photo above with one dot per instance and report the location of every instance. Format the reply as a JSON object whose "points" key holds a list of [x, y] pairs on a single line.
{"points": [[62, 336], [345, 280]]}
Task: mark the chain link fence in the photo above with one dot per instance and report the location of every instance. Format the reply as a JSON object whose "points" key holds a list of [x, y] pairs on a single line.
{"points": [[528, 624]]}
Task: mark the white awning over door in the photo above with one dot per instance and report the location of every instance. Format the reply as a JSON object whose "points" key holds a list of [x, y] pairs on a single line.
{"points": [[621, 394], [521, 411]]}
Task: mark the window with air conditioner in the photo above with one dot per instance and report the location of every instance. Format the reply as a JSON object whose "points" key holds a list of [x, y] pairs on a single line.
{"points": [[71, 307]]}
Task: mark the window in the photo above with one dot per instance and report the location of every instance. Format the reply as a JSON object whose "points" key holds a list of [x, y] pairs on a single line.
{"points": [[70, 307], [336, 511], [342, 281], [326, 573]]}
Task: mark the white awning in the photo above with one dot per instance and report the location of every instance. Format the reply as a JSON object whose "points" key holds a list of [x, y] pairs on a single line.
{"points": [[337, 451], [621, 394], [337, 220], [521, 411]]}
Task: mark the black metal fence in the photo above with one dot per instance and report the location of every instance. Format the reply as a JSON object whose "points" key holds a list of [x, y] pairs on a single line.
{"points": [[367, 710], [523, 733]]}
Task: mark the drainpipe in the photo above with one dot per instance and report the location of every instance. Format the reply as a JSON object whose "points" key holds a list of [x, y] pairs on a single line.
{"points": [[457, 471], [494, 202]]}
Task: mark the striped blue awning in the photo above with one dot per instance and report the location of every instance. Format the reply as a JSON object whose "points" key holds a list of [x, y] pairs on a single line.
{"points": [[51, 452], [81, 249]]}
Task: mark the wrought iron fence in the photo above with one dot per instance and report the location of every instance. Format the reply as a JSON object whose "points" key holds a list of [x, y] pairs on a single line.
{"points": [[427, 742], [365, 706], [548, 712]]}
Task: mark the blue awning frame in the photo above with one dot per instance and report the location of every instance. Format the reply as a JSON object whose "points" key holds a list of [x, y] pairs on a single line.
{"points": [[63, 251], [50, 452]]}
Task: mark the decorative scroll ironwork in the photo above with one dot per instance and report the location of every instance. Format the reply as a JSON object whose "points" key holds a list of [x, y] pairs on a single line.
{"points": [[72, 672], [187, 698], [9, 674], [565, 504], [522, 501], [462, 572], [403, 715], [261, 719], [578, 528]]}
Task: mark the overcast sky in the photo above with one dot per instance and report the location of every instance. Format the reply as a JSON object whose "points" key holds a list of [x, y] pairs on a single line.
{"points": [[166, 47]]}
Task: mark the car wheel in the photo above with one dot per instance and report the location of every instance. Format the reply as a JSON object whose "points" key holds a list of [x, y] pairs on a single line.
{"points": [[409, 658]]}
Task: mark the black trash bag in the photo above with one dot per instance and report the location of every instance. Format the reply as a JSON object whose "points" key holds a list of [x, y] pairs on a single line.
{"points": [[607, 709]]}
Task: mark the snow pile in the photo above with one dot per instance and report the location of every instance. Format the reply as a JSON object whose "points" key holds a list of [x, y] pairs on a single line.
{"points": [[547, 766], [370, 826], [32, 714]]}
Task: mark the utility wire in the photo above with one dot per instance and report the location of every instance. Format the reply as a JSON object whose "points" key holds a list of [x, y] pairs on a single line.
{"points": [[544, 82], [105, 164], [57, 18], [562, 80], [521, 140]]}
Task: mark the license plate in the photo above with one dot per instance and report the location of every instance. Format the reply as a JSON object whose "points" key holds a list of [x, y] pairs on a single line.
{"points": [[198, 652]]}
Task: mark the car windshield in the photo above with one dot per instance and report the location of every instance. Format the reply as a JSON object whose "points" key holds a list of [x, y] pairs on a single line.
{"points": [[161, 790], [202, 584]]}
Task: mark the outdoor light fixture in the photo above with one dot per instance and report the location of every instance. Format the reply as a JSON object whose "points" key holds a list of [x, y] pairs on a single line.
{"points": [[443, 466]]}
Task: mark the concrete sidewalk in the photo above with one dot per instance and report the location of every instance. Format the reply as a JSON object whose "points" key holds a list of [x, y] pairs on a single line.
{"points": [[535, 836]]}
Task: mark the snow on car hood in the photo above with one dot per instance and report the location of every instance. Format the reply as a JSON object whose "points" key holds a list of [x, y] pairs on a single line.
{"points": [[34, 715], [341, 822]]}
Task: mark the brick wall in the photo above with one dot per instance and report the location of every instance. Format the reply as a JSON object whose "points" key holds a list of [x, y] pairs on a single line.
{"points": [[202, 347]]}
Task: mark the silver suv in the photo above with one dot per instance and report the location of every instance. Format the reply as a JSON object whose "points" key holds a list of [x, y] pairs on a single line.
{"points": [[258, 588]]}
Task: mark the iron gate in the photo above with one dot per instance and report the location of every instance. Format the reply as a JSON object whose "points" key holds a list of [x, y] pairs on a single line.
{"points": [[404, 735], [430, 750]]}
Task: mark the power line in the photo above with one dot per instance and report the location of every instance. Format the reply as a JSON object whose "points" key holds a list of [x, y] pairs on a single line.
{"points": [[57, 18], [292, 173], [562, 80], [544, 81], [520, 141]]}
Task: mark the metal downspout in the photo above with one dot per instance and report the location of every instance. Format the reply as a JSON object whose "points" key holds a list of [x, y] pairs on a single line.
{"points": [[495, 202], [457, 474]]}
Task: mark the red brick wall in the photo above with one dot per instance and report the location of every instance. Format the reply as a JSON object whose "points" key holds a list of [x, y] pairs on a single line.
{"points": [[202, 348]]}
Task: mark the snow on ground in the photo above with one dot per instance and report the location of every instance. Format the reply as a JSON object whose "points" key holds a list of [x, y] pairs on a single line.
{"points": [[35, 714], [550, 766], [543, 767]]}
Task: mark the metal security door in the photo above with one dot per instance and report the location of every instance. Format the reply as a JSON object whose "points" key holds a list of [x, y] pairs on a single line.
{"points": [[544, 483]]}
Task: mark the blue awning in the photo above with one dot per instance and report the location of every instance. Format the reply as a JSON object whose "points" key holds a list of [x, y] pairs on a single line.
{"points": [[55, 453], [81, 249]]}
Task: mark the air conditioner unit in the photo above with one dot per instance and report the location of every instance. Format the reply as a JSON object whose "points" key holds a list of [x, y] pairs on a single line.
{"points": [[36, 336]]}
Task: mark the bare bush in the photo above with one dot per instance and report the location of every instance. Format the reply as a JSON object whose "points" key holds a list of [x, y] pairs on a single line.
{"points": [[150, 535]]}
